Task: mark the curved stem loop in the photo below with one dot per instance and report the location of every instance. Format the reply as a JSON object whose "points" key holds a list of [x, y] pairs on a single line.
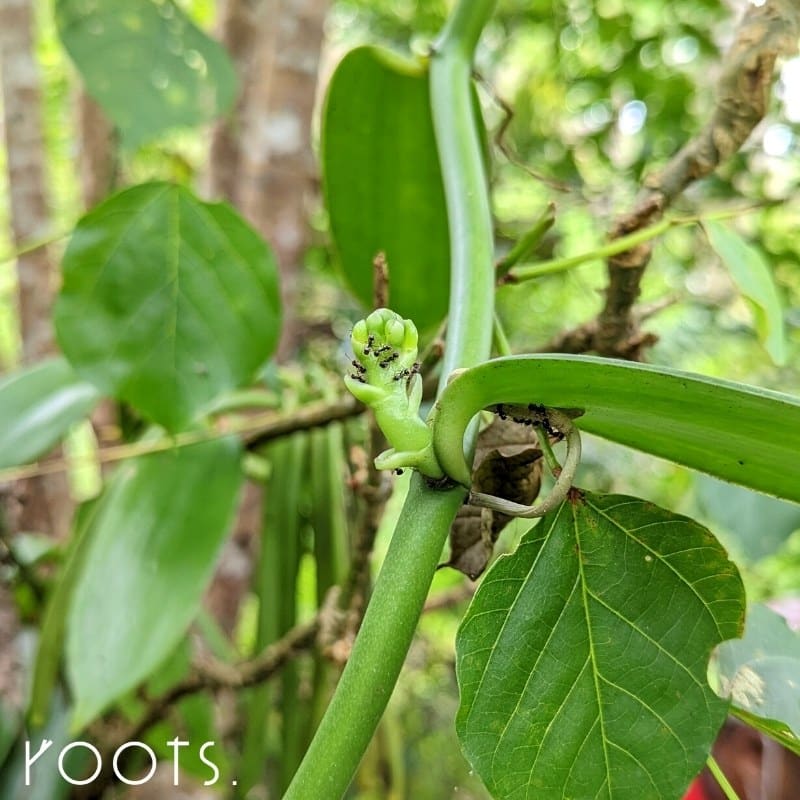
{"points": [[562, 485]]}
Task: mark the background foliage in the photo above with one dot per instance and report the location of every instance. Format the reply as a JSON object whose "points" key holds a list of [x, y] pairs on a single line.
{"points": [[602, 95]]}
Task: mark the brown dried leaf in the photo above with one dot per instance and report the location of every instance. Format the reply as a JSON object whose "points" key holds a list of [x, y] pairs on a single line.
{"points": [[508, 464]]}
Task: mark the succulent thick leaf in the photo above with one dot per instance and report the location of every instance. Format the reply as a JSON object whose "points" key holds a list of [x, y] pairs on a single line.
{"points": [[582, 658], [167, 302], [759, 674], [147, 64], [383, 184], [151, 551], [38, 405], [740, 433], [753, 277]]}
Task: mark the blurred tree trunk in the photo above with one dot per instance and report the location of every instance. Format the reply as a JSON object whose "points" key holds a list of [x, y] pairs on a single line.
{"points": [[40, 504], [261, 161], [261, 158], [97, 158]]}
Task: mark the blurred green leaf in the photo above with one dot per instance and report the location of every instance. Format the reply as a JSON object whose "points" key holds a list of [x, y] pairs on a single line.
{"points": [[383, 184], [152, 549], [740, 433], [10, 723], [753, 277], [575, 679], [45, 781], [759, 524], [51, 634], [759, 674], [167, 302], [147, 64], [38, 405]]}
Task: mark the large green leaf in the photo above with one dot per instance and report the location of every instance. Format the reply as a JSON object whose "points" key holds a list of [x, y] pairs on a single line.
{"points": [[147, 64], [753, 277], [758, 524], [739, 433], [167, 302], [383, 184], [38, 405], [582, 659], [151, 551], [759, 674]]}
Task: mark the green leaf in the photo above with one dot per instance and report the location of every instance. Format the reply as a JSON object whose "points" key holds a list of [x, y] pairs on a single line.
{"points": [[38, 405], [167, 302], [739, 433], [582, 659], [50, 645], [758, 524], [147, 64], [152, 549], [759, 674], [46, 782], [383, 184], [753, 277]]}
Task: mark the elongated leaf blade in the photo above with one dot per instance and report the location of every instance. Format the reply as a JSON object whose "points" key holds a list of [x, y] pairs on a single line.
{"points": [[38, 405], [759, 674], [753, 277], [739, 433], [383, 183], [151, 552], [167, 302], [582, 658], [147, 64]]}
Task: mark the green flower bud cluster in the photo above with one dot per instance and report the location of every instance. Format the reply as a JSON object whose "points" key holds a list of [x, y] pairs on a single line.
{"points": [[386, 378]]}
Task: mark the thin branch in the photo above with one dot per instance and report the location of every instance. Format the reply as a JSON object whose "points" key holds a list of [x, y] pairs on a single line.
{"points": [[766, 32], [255, 431]]}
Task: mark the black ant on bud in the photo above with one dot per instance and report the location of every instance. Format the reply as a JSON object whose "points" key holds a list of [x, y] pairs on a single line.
{"points": [[388, 360], [360, 368]]}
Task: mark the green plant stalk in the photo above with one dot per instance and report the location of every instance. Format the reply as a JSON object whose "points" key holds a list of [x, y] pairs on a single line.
{"points": [[719, 777], [275, 586], [381, 646], [404, 580], [617, 246]]}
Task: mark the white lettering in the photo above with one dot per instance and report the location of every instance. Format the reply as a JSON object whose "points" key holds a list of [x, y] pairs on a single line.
{"points": [[29, 762], [121, 750], [95, 752]]}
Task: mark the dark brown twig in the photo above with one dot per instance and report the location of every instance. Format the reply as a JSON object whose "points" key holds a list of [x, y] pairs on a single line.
{"points": [[766, 32]]}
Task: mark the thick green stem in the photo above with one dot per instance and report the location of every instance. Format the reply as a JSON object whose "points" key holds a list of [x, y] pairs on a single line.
{"points": [[404, 580], [469, 328], [380, 648]]}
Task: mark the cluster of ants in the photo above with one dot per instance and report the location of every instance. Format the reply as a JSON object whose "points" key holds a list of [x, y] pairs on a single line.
{"points": [[539, 419], [383, 363]]}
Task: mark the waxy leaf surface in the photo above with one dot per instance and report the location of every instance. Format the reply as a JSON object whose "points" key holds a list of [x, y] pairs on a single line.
{"points": [[582, 658], [151, 551], [383, 183], [167, 302], [147, 64], [760, 674], [742, 434], [38, 405], [753, 277]]}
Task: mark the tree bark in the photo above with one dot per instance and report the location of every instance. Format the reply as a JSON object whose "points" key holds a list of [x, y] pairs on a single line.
{"points": [[261, 158], [261, 161], [97, 163], [40, 504]]}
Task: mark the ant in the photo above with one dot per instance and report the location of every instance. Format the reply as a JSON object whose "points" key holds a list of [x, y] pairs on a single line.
{"points": [[388, 360]]}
